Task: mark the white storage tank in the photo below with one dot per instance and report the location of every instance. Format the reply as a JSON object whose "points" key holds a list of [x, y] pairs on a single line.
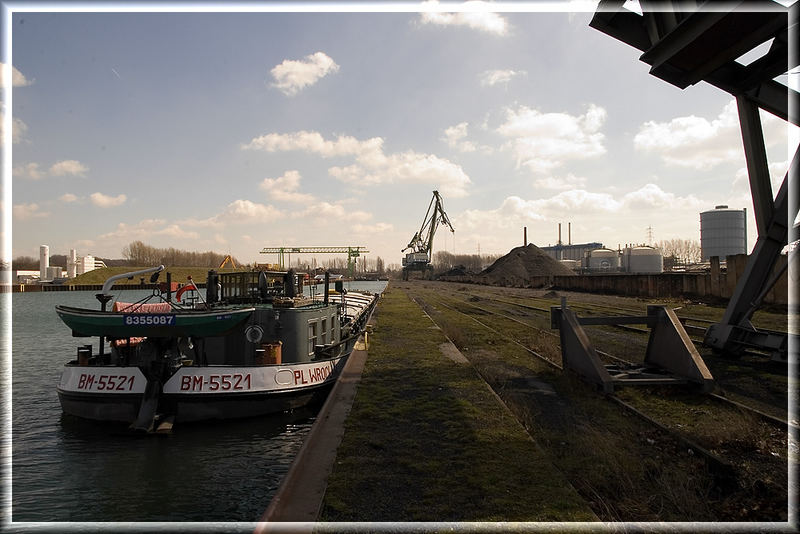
{"points": [[72, 264], [603, 259], [53, 273], [644, 259], [44, 261], [723, 232]]}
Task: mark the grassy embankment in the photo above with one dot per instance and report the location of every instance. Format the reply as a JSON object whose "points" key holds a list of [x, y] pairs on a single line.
{"points": [[427, 440], [179, 274]]}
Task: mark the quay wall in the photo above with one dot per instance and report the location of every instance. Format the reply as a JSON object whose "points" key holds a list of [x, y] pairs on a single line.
{"points": [[713, 285]]}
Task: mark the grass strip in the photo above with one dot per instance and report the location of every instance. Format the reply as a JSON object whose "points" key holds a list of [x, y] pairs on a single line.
{"points": [[427, 440]]}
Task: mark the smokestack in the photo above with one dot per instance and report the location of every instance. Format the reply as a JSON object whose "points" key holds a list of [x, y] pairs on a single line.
{"points": [[525, 235], [569, 229], [559, 234]]}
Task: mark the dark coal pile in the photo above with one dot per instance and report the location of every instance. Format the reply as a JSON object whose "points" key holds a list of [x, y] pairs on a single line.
{"points": [[458, 270], [521, 265]]}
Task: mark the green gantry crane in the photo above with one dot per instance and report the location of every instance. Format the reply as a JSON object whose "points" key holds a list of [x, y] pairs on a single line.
{"points": [[352, 253]]}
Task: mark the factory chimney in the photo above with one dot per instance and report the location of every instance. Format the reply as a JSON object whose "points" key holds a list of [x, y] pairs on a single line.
{"points": [[525, 235], [559, 234], [569, 233]]}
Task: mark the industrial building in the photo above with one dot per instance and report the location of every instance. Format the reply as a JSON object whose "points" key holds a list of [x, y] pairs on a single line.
{"points": [[571, 252], [47, 273]]}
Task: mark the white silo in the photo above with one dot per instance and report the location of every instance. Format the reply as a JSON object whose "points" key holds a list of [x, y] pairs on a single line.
{"points": [[72, 264], [643, 259], [723, 232], [44, 261], [603, 259]]}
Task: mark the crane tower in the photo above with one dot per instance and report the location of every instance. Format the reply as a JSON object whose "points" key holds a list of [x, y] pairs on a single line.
{"points": [[421, 245]]}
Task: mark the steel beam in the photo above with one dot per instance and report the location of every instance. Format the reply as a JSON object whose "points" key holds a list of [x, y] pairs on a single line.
{"points": [[669, 347], [671, 357], [755, 152], [730, 334]]}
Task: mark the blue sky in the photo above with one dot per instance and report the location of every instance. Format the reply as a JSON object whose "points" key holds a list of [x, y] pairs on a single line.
{"points": [[238, 131]]}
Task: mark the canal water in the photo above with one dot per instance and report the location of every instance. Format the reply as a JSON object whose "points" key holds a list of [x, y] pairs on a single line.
{"points": [[69, 470]]}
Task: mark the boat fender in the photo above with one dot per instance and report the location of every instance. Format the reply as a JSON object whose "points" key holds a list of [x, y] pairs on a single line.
{"points": [[254, 333]]}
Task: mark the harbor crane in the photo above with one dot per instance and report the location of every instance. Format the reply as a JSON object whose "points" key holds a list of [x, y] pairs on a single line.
{"points": [[421, 245]]}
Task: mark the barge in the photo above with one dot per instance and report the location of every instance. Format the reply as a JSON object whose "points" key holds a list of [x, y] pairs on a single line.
{"points": [[254, 345]]}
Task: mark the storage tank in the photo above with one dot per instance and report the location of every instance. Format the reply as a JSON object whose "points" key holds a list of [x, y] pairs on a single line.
{"points": [[53, 273], [644, 259], [72, 264], [603, 259], [44, 261], [723, 232]]}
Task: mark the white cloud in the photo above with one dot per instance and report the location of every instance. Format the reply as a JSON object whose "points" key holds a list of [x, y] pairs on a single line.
{"points": [[490, 78], [560, 184], [18, 129], [69, 166], [591, 215], [17, 78], [25, 212], [247, 211], [700, 143], [454, 137], [68, 197], [284, 188], [473, 14], [314, 142], [61, 168], [372, 229], [777, 172], [544, 141], [29, 170], [238, 212], [105, 201], [146, 229], [371, 166], [326, 212], [293, 75]]}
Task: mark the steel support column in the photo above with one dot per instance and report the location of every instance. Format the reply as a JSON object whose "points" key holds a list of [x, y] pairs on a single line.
{"points": [[735, 332]]}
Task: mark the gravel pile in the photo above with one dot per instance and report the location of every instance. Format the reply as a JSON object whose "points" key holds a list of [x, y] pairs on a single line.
{"points": [[522, 264]]}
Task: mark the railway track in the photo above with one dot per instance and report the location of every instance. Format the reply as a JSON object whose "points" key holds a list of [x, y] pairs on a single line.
{"points": [[695, 326], [724, 462], [607, 356]]}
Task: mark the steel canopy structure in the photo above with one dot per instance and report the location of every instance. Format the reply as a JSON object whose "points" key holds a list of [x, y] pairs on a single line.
{"points": [[686, 42]]}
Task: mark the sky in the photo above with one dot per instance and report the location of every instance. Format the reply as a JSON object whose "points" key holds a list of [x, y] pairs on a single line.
{"points": [[235, 131]]}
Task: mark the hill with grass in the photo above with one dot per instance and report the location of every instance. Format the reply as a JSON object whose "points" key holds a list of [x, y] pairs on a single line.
{"points": [[179, 274]]}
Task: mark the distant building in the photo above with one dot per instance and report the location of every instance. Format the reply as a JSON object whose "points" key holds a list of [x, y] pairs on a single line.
{"points": [[88, 263], [570, 252], [22, 276]]}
